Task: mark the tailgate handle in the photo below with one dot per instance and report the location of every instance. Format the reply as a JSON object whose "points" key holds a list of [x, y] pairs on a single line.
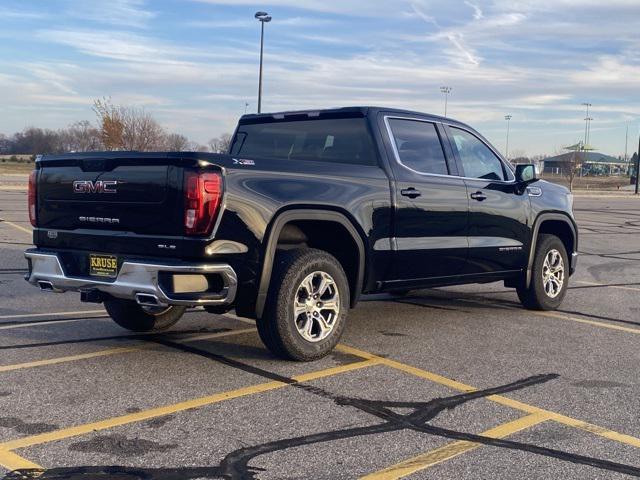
{"points": [[410, 192]]}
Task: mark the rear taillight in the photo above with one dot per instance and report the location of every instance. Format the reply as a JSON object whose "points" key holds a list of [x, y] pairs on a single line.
{"points": [[202, 195], [33, 195]]}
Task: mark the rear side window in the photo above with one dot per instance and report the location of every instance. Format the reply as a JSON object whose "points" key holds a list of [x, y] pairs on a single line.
{"points": [[418, 145], [478, 161], [342, 140]]}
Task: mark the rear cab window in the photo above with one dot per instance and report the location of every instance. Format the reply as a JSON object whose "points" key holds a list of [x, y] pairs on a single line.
{"points": [[418, 146], [330, 140]]}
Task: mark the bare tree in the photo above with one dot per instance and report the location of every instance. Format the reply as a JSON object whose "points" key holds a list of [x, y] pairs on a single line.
{"points": [[571, 166], [174, 142], [80, 137], [128, 128], [220, 144]]}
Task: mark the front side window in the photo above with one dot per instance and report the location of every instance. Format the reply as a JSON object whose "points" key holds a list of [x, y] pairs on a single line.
{"points": [[418, 145], [478, 161]]}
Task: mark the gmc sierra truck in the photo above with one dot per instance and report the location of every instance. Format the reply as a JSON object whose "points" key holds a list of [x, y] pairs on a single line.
{"points": [[307, 211]]}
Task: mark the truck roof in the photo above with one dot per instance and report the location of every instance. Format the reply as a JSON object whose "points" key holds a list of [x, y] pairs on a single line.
{"points": [[340, 111]]}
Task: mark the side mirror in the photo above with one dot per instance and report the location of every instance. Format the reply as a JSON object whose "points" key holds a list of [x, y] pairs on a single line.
{"points": [[526, 173]]}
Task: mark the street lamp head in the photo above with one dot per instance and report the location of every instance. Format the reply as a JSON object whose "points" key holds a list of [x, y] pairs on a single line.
{"points": [[445, 89], [263, 16], [507, 117]]}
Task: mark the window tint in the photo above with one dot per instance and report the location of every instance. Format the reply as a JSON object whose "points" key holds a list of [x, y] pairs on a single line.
{"points": [[478, 161], [419, 146], [343, 140]]}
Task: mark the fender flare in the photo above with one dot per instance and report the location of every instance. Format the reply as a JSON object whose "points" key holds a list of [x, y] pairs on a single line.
{"points": [[306, 214], [534, 238]]}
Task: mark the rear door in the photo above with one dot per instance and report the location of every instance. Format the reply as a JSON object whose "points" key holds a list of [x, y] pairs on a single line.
{"points": [[430, 224], [498, 211]]}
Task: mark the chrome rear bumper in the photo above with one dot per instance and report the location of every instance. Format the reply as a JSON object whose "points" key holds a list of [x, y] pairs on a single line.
{"points": [[135, 281]]}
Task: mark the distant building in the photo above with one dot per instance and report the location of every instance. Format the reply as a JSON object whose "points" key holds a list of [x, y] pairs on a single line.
{"points": [[594, 164]]}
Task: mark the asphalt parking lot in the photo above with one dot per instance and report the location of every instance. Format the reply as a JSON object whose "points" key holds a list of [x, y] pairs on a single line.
{"points": [[444, 383]]}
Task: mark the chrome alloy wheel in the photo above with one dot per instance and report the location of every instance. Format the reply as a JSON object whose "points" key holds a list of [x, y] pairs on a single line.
{"points": [[316, 306], [553, 273]]}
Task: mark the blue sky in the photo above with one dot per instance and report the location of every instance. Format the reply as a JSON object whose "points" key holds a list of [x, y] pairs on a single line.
{"points": [[193, 63]]}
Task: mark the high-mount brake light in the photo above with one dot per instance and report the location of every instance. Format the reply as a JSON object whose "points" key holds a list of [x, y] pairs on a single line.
{"points": [[32, 196], [202, 196]]}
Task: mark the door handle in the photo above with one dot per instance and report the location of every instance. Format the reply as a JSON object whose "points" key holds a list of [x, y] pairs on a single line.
{"points": [[410, 192], [479, 196]]}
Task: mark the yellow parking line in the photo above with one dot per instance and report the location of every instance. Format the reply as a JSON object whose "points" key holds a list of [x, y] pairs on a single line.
{"points": [[54, 314], [559, 316], [620, 287], [19, 227], [515, 404], [116, 351], [453, 449], [588, 322], [177, 407], [11, 461], [38, 324]]}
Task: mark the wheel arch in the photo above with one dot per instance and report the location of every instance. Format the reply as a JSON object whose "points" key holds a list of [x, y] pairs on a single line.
{"points": [[558, 224], [289, 218]]}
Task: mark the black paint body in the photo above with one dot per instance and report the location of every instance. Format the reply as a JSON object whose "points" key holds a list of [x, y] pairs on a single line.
{"points": [[442, 237]]}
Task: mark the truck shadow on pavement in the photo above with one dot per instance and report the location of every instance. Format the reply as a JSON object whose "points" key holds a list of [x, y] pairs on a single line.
{"points": [[235, 466]]}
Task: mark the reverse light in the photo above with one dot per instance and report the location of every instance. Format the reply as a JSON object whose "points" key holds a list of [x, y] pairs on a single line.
{"points": [[32, 197], [202, 196]]}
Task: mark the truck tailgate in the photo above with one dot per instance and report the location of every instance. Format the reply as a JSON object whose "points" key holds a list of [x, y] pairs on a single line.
{"points": [[142, 196]]}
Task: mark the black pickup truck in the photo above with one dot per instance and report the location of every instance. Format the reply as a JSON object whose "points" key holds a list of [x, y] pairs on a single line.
{"points": [[307, 212]]}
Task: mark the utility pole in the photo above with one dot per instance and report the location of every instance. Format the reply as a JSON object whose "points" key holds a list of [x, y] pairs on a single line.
{"points": [[637, 172], [626, 144], [446, 91], [508, 119], [586, 124], [262, 17]]}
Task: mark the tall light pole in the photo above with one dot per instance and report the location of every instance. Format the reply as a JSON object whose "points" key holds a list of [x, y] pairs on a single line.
{"points": [[262, 17], [446, 91], [586, 124], [508, 119]]}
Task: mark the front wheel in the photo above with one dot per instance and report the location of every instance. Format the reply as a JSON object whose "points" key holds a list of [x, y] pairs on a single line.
{"points": [[549, 275], [307, 306], [128, 314]]}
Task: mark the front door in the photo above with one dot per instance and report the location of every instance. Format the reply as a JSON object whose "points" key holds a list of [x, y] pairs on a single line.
{"points": [[498, 210], [430, 225]]}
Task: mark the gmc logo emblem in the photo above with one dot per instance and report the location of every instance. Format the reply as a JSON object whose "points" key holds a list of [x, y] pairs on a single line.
{"points": [[100, 186]]}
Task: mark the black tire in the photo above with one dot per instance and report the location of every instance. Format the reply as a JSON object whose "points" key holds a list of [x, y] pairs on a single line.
{"points": [[278, 326], [536, 296], [128, 314]]}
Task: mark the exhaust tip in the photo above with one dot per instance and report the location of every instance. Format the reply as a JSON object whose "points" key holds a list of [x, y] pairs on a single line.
{"points": [[148, 300], [44, 285]]}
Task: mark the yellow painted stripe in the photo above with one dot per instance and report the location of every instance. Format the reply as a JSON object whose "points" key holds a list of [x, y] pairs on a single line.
{"points": [[38, 324], [594, 323], [12, 461], [515, 404], [19, 227], [118, 350], [620, 287], [453, 449], [177, 407], [561, 316], [54, 314]]}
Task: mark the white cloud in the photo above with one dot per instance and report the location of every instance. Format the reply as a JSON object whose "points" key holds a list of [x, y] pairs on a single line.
{"points": [[122, 13]]}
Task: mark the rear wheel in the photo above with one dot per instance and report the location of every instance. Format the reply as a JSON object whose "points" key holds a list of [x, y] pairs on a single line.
{"points": [[128, 314], [549, 275], [307, 306]]}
